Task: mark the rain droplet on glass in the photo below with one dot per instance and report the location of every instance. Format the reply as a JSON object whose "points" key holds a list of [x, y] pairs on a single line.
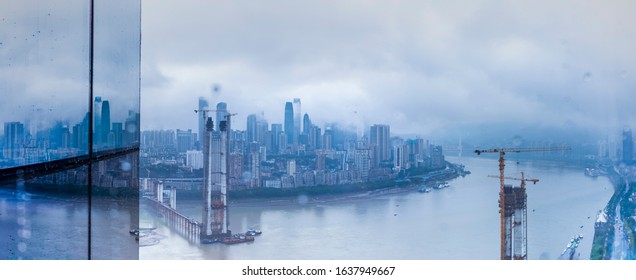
{"points": [[126, 166], [22, 247]]}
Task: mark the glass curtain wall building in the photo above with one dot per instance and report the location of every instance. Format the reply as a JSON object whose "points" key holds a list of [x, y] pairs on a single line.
{"points": [[70, 89]]}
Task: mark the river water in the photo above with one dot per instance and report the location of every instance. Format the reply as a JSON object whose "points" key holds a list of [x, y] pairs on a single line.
{"points": [[460, 222]]}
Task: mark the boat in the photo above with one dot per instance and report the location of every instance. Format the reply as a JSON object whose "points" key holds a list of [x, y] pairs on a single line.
{"points": [[210, 240], [252, 232], [141, 231], [424, 189], [238, 238], [592, 172], [442, 185], [570, 250]]}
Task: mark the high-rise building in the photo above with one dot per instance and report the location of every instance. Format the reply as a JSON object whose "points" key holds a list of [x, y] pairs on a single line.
{"points": [[400, 156], [13, 140], [221, 112], [297, 120], [362, 163], [255, 168], [276, 130], [307, 125], [257, 128], [315, 137], [628, 146], [194, 159], [185, 139], [327, 139], [320, 160], [117, 132], [416, 151], [97, 117], [289, 123], [437, 157], [291, 167], [379, 136], [203, 105], [104, 127], [251, 128]]}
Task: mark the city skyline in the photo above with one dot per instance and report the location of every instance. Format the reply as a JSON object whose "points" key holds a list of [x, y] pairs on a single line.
{"points": [[23, 143]]}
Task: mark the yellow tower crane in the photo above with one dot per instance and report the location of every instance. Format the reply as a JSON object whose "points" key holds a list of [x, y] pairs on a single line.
{"points": [[515, 218], [506, 249]]}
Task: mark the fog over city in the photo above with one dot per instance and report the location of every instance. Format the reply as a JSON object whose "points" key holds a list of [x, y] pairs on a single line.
{"points": [[435, 69]]}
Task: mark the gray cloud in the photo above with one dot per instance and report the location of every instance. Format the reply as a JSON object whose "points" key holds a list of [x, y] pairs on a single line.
{"points": [[419, 66]]}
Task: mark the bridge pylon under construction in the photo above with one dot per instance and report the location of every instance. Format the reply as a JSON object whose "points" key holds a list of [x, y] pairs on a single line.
{"points": [[215, 222]]}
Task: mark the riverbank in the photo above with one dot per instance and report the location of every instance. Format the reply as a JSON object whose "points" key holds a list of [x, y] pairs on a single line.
{"points": [[304, 199], [324, 194], [603, 244]]}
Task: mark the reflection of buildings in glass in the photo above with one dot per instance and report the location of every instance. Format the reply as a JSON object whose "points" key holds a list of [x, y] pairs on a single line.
{"points": [[131, 132], [61, 202], [104, 125], [62, 140], [13, 140], [97, 117]]}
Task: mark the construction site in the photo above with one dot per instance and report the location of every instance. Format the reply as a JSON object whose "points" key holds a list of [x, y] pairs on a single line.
{"points": [[513, 206]]}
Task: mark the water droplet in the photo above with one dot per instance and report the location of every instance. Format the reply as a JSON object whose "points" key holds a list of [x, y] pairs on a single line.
{"points": [[25, 233], [126, 166], [21, 221], [22, 247], [587, 77], [131, 128], [621, 74], [302, 199]]}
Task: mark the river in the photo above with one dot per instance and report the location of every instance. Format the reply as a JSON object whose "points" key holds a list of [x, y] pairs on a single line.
{"points": [[460, 222]]}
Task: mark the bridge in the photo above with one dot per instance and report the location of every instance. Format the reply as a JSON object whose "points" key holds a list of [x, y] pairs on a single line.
{"points": [[187, 227]]}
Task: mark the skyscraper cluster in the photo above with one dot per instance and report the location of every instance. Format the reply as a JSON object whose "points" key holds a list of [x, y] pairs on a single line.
{"points": [[300, 153]]}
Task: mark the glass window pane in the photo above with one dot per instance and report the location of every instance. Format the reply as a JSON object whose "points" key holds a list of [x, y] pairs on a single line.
{"points": [[116, 74], [44, 80], [46, 217], [115, 208]]}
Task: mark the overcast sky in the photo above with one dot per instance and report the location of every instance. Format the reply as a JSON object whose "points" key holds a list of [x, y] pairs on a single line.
{"points": [[424, 67]]}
